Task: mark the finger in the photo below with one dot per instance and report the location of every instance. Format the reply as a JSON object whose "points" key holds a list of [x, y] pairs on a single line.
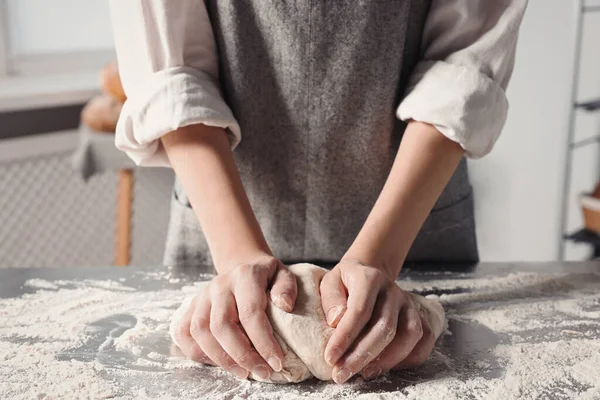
{"points": [[180, 333], [180, 318], [252, 303], [190, 348], [379, 334], [422, 349], [200, 332], [225, 329], [333, 297], [284, 289], [361, 300], [408, 334]]}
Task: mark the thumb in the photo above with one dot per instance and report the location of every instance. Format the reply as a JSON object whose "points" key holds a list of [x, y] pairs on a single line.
{"points": [[333, 297], [284, 289]]}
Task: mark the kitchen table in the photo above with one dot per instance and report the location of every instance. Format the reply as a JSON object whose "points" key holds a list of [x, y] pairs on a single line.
{"points": [[515, 330]]}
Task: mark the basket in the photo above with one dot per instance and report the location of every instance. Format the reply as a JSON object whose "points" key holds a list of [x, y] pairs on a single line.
{"points": [[591, 212]]}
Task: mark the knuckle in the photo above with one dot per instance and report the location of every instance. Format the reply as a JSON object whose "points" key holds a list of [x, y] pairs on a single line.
{"points": [[248, 313], [219, 280], [254, 272], [359, 312], [180, 332], [372, 275], [356, 362], [346, 343], [245, 357], [386, 328], [218, 324], [331, 299], [376, 273], [262, 344], [215, 327], [429, 336], [219, 285], [247, 316], [244, 269], [355, 319], [218, 292], [198, 355], [272, 263], [198, 327], [414, 328], [340, 343], [361, 320]]}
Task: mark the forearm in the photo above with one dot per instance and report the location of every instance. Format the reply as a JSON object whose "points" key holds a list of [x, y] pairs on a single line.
{"points": [[423, 166], [203, 162]]}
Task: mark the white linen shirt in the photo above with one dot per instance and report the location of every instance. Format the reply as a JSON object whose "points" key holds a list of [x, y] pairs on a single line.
{"points": [[169, 68]]}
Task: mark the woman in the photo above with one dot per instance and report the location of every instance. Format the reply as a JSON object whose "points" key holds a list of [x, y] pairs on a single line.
{"points": [[349, 120]]}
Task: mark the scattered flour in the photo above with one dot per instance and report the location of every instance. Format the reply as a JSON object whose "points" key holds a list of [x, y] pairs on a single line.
{"points": [[156, 356], [103, 339], [41, 284], [30, 370]]}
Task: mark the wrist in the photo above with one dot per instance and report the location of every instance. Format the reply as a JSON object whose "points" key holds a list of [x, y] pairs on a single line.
{"points": [[381, 245], [376, 258], [241, 257]]}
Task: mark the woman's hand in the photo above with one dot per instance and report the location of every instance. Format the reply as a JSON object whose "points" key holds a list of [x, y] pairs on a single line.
{"points": [[378, 327], [227, 324]]}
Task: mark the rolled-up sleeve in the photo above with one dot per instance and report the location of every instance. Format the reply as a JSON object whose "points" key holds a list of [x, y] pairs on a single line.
{"points": [[459, 84], [169, 69]]}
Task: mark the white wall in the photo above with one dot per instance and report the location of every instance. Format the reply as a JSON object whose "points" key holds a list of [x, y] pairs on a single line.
{"points": [[518, 187], [48, 26]]}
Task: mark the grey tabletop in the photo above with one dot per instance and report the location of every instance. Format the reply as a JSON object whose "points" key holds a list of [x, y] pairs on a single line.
{"points": [[515, 330]]}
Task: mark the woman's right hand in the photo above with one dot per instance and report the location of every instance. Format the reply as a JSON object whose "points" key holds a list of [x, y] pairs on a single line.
{"points": [[227, 324]]}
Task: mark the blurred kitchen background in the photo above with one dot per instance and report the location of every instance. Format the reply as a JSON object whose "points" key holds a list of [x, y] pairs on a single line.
{"points": [[67, 197]]}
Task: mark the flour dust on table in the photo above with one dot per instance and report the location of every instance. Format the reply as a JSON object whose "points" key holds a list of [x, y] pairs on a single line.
{"points": [[516, 336]]}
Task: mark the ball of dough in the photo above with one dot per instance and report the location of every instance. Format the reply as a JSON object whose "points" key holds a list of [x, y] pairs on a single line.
{"points": [[305, 330]]}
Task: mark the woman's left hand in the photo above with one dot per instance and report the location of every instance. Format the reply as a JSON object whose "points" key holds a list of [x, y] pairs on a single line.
{"points": [[378, 327]]}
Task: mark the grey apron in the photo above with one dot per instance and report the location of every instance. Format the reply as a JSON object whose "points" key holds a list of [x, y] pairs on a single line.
{"points": [[314, 85]]}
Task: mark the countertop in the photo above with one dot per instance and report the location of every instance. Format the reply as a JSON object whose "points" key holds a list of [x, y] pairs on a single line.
{"points": [[549, 304]]}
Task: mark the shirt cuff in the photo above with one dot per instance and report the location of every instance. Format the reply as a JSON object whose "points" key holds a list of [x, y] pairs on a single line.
{"points": [[465, 105], [171, 99]]}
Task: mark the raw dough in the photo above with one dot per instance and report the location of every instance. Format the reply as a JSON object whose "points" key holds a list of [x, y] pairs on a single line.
{"points": [[305, 330], [303, 334]]}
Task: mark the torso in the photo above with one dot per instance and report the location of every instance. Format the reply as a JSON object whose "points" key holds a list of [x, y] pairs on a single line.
{"points": [[314, 85]]}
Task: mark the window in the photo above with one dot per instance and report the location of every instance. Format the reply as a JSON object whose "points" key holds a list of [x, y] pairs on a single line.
{"points": [[51, 51], [3, 40]]}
